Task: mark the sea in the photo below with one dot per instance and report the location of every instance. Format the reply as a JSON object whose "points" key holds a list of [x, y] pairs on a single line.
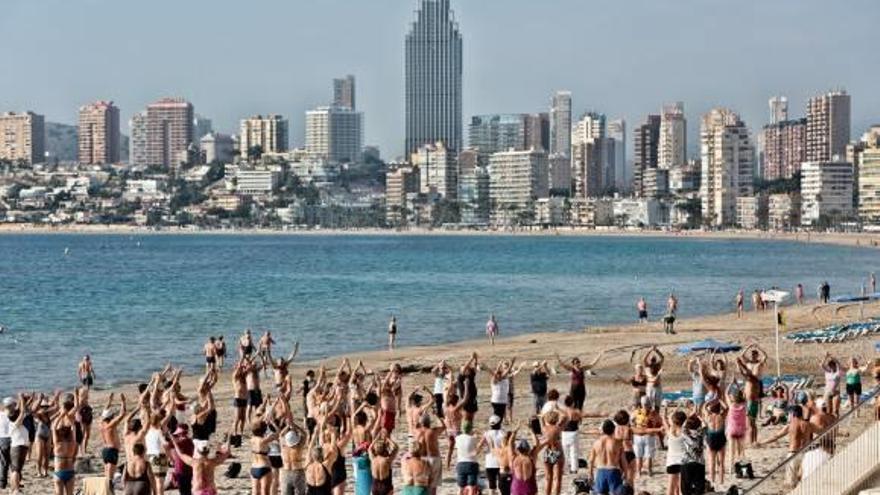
{"points": [[136, 302]]}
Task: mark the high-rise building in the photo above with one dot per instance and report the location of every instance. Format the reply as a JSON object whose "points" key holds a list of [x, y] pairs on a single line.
{"points": [[560, 124], [137, 147], [672, 146], [473, 187], [269, 132], [433, 78], [728, 165], [22, 137], [504, 132], [98, 133], [826, 191], [169, 131], [828, 126], [778, 109], [517, 179], [867, 164], [400, 181], [646, 142], [784, 148], [537, 135], [438, 170], [344, 92], [335, 133], [202, 126], [617, 133], [593, 156], [218, 148]]}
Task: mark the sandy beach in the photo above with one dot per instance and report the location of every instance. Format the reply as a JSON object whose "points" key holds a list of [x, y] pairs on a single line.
{"points": [[604, 394]]}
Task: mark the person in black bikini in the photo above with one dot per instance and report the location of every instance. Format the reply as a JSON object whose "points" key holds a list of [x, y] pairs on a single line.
{"points": [[319, 481], [467, 387], [138, 478], [261, 468]]}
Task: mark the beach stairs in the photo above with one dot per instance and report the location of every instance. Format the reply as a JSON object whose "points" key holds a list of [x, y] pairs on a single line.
{"points": [[854, 467]]}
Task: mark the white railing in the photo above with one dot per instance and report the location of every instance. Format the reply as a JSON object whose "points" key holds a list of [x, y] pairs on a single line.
{"points": [[834, 462]]}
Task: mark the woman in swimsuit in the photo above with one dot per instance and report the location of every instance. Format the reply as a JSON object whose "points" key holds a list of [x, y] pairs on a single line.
{"points": [[638, 381], [452, 418], [467, 387], [383, 451], [138, 478], [318, 478], [334, 441], [737, 425], [553, 457], [854, 381], [416, 471], [578, 372], [261, 467], [716, 438], [43, 412], [833, 375], [523, 461], [64, 447], [653, 363]]}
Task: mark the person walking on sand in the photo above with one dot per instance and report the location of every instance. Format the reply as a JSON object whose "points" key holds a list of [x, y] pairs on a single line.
{"points": [[873, 281], [266, 343], [392, 333], [86, 372], [642, 308], [492, 329], [740, 303], [799, 294]]}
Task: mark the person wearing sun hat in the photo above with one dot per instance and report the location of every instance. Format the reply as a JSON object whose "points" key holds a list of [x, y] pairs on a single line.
{"points": [[492, 441]]}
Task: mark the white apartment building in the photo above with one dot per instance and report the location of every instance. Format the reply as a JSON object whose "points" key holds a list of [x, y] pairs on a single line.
{"points": [[826, 190], [728, 165], [516, 180], [438, 170], [335, 133], [672, 148]]}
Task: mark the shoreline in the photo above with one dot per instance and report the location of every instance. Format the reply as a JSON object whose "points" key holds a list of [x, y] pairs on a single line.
{"points": [[862, 239]]}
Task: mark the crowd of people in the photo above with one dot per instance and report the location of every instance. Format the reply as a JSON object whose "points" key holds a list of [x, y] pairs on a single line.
{"points": [[372, 429]]}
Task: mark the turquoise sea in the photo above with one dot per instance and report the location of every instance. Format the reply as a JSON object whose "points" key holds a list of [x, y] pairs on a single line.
{"points": [[136, 302]]}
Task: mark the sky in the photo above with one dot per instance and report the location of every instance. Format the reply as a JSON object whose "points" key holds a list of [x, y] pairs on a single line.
{"points": [[624, 58]]}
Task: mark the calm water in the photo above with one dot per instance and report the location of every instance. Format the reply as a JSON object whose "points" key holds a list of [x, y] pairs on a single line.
{"points": [[137, 301]]}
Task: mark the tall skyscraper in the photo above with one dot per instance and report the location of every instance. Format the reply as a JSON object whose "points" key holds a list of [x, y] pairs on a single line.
{"points": [[344, 92], [617, 133], [728, 165], [828, 126], [137, 148], [672, 147], [433, 78], [560, 143], [646, 141], [504, 132], [22, 137], [593, 156], [784, 148], [778, 109], [98, 133], [335, 133], [269, 132], [169, 130], [202, 126]]}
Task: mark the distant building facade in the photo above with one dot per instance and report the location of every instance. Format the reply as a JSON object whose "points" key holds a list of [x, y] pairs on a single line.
{"points": [[517, 179], [169, 131], [646, 142], [728, 164], [98, 135], [336, 133], [22, 137], [828, 126], [344, 92], [785, 148], [438, 170], [826, 191], [218, 148], [269, 132], [672, 142]]}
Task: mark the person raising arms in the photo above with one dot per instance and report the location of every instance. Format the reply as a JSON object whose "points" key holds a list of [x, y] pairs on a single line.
{"points": [[578, 387], [203, 466]]}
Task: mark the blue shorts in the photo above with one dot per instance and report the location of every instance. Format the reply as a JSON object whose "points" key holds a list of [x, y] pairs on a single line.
{"points": [[608, 481], [467, 473]]}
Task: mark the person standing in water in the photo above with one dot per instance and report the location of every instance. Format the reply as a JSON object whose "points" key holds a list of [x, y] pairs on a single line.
{"points": [[740, 303], [86, 372], [220, 352], [492, 329], [392, 333], [642, 308]]}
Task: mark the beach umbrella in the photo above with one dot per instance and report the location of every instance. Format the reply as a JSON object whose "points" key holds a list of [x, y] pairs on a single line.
{"points": [[709, 345]]}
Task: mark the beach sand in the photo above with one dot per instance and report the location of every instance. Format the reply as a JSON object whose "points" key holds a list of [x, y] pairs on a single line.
{"points": [[604, 392]]}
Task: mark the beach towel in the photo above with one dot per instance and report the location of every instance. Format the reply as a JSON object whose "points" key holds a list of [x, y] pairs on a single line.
{"points": [[96, 485]]}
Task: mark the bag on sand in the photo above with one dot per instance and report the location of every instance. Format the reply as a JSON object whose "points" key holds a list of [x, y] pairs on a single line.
{"points": [[233, 470], [235, 441], [744, 470]]}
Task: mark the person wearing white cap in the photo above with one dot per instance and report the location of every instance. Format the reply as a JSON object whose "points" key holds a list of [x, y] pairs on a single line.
{"points": [[492, 440], [109, 428], [203, 466], [293, 455]]}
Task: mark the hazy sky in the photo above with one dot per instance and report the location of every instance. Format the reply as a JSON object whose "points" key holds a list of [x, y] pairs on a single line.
{"points": [[233, 58]]}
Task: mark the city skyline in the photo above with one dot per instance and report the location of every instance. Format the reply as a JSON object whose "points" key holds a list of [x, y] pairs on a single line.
{"points": [[58, 84]]}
